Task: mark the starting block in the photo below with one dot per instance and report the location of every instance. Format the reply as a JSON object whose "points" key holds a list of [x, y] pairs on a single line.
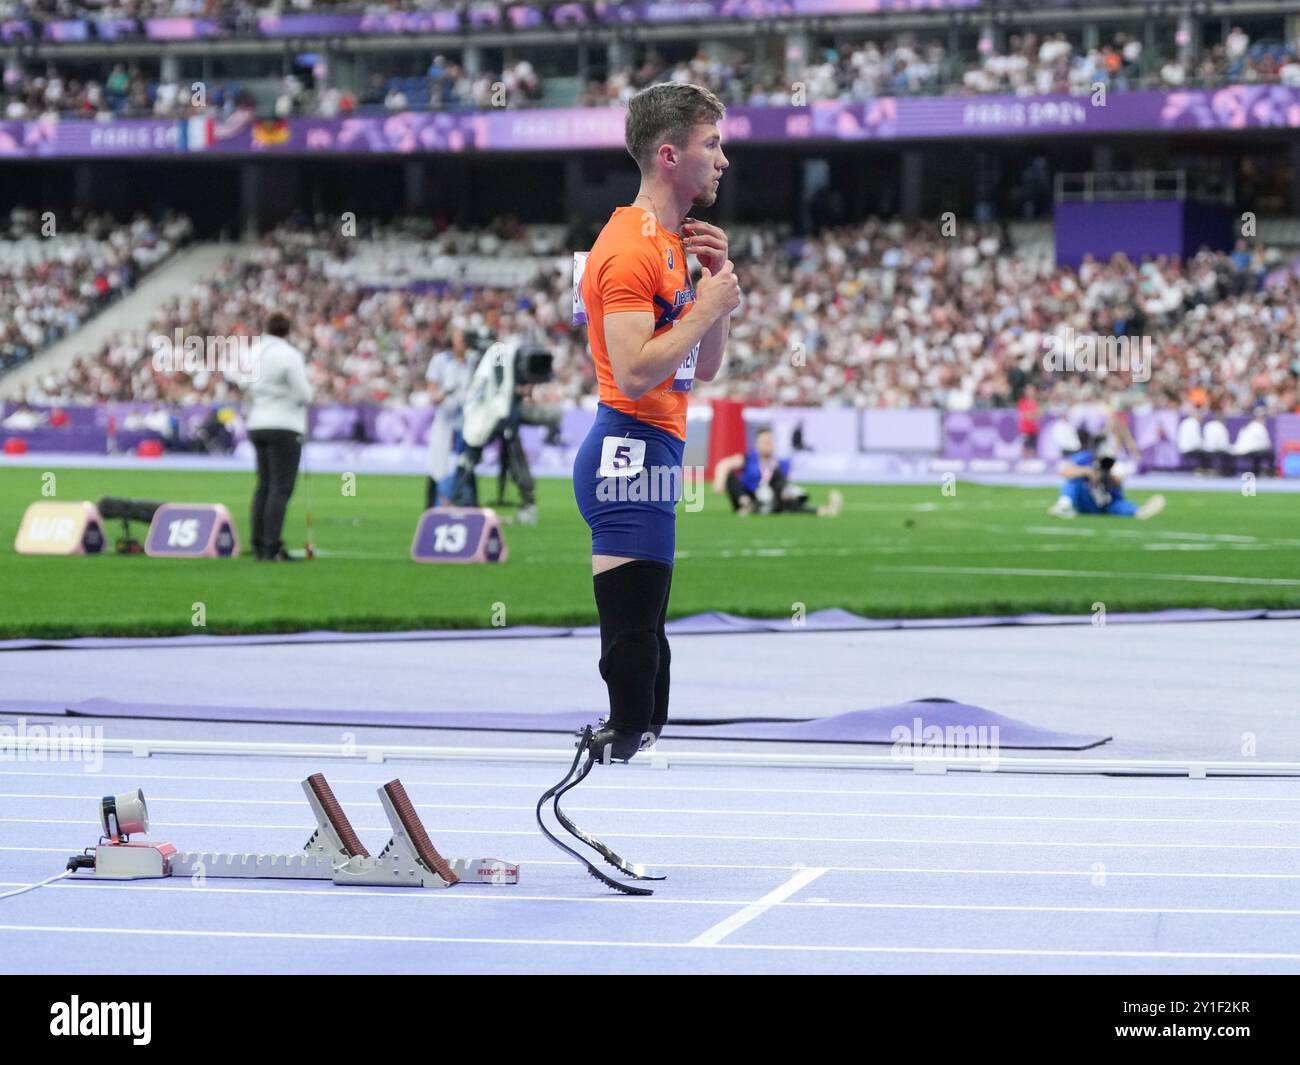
{"points": [[334, 852]]}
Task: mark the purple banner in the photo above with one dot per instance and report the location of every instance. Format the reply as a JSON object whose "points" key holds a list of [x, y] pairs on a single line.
{"points": [[821, 429], [886, 118], [702, 10], [114, 29], [112, 427], [1138, 229], [179, 29], [393, 22], [569, 15], [825, 435], [902, 429]]}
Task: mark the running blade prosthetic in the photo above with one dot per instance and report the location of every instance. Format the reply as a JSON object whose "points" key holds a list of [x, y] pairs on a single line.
{"points": [[571, 779]]}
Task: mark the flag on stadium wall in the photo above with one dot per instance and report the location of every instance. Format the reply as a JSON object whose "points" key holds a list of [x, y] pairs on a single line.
{"points": [[270, 132], [197, 133]]}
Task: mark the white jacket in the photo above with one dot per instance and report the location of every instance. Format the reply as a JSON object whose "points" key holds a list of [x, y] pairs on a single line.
{"points": [[1253, 438], [1214, 436], [1189, 435], [278, 387]]}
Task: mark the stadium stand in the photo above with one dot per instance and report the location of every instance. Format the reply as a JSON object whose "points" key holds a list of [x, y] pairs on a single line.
{"points": [[853, 69], [888, 315], [53, 280]]}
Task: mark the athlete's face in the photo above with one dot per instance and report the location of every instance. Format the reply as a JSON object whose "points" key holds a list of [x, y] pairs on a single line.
{"points": [[765, 445], [702, 164]]}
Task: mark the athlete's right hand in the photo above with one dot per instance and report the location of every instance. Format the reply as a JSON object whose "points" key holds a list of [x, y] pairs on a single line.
{"points": [[718, 294]]}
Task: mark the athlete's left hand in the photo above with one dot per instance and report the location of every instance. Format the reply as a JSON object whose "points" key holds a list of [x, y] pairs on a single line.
{"points": [[707, 243]]}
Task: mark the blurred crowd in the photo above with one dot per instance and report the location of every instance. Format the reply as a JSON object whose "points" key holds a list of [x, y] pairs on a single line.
{"points": [[51, 9], [57, 272], [907, 64], [876, 314], [362, 345], [885, 314]]}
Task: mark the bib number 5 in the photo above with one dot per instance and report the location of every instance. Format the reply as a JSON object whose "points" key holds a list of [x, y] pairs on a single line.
{"points": [[621, 456]]}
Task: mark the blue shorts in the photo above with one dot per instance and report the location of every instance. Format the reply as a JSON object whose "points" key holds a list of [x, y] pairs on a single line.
{"points": [[1076, 490], [627, 479]]}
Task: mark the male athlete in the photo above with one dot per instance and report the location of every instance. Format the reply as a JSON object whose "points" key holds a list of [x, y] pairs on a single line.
{"points": [[651, 334]]}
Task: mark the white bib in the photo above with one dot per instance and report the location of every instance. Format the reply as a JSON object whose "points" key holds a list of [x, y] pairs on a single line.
{"points": [[684, 379], [621, 456]]}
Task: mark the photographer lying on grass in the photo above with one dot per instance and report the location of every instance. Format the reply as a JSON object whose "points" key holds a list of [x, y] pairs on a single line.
{"points": [[1092, 486]]}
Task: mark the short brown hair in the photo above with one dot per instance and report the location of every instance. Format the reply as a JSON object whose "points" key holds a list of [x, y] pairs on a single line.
{"points": [[277, 325], [667, 114]]}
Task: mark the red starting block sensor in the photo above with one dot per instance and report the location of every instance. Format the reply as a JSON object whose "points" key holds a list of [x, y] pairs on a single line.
{"points": [[115, 856]]}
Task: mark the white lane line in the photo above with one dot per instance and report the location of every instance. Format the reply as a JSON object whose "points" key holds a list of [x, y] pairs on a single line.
{"points": [[170, 933], [924, 871], [441, 897], [711, 937], [156, 800], [182, 885], [602, 831], [337, 782], [1009, 571]]}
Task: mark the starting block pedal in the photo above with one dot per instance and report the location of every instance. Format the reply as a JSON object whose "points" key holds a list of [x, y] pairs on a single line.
{"points": [[334, 836], [409, 859], [333, 852]]}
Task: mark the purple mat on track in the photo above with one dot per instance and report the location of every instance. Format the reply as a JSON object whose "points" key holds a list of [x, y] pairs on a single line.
{"points": [[711, 623], [878, 725]]}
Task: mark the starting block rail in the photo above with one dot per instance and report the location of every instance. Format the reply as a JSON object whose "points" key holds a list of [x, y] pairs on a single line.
{"points": [[333, 852], [659, 758]]}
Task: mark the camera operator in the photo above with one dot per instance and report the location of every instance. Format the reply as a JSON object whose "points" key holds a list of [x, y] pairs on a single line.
{"points": [[448, 377], [1092, 486], [494, 411]]}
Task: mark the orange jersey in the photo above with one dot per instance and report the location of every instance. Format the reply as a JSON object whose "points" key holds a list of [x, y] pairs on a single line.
{"points": [[628, 271]]}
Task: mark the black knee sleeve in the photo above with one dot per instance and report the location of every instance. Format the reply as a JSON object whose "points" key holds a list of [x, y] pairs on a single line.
{"points": [[631, 599], [660, 717]]}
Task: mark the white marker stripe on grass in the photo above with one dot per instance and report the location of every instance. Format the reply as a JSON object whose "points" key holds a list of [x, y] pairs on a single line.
{"points": [[715, 935], [1010, 571], [168, 933]]}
